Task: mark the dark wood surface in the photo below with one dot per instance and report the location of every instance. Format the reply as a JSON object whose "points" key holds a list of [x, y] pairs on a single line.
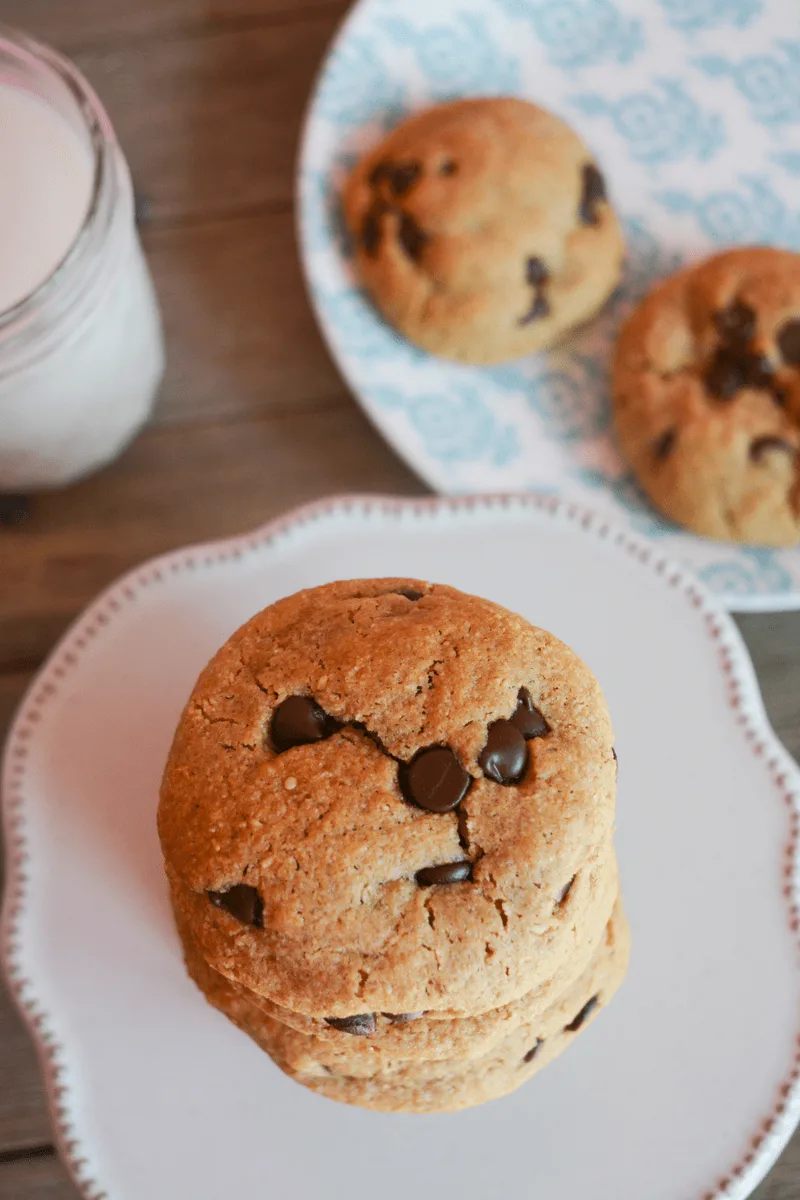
{"points": [[208, 99]]}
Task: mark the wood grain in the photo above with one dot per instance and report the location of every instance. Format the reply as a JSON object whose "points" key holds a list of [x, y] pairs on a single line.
{"points": [[240, 334], [39, 1178], [80, 23], [210, 124], [176, 485]]}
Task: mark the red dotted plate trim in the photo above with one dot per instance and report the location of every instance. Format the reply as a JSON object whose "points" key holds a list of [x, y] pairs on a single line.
{"points": [[774, 1131]]}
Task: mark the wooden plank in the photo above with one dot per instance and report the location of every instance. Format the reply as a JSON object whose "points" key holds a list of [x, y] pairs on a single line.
{"points": [[23, 1114], [774, 644], [174, 486], [210, 124], [40, 1178], [241, 338], [79, 23], [783, 1182]]}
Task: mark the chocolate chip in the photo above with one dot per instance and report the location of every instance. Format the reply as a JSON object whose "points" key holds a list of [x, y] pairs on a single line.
{"points": [[412, 238], [242, 902], [665, 443], [536, 272], [361, 1026], [298, 721], [582, 1016], [736, 323], [381, 171], [434, 780], [592, 194], [762, 446], [460, 872], [540, 308], [788, 340], [504, 758], [409, 593], [14, 509], [449, 167], [726, 374], [616, 759], [371, 233], [528, 720], [531, 1055], [404, 1018], [758, 371], [403, 178], [565, 891]]}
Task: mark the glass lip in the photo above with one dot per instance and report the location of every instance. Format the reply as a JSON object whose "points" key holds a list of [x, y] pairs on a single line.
{"points": [[36, 55]]}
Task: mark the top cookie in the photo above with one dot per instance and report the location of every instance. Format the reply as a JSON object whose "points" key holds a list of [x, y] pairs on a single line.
{"points": [[377, 796], [706, 380], [482, 229]]}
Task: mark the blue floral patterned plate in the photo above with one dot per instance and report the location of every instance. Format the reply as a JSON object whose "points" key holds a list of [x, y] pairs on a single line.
{"points": [[692, 107]]}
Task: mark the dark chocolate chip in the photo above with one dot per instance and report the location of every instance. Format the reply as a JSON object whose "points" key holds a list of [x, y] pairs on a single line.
{"points": [[362, 1025], [404, 1018], [582, 1016], [409, 593], [434, 780], [242, 902], [565, 891], [14, 509], [381, 171], [412, 239], [298, 721], [531, 1055], [536, 272], [726, 374], [403, 178], [736, 323], [528, 720], [758, 371], [504, 758], [371, 233], [592, 194], [449, 167], [540, 308], [762, 446], [460, 872], [665, 443], [616, 758], [788, 340]]}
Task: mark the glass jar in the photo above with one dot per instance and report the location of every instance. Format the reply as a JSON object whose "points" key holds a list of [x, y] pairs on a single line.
{"points": [[81, 355]]}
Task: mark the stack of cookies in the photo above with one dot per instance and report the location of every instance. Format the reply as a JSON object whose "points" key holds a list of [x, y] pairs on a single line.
{"points": [[387, 822]]}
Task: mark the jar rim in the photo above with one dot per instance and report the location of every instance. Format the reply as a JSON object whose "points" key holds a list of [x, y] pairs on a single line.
{"points": [[31, 52]]}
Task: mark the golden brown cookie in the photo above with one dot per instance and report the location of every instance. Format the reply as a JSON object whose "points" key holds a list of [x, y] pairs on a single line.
{"points": [[482, 229], [377, 796], [428, 1035], [706, 380], [362, 1074]]}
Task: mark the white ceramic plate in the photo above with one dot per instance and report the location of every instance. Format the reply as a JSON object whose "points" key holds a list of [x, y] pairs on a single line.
{"points": [[692, 108], [691, 1075]]}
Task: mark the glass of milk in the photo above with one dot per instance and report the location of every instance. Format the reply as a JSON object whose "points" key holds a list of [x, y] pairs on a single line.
{"points": [[81, 350]]}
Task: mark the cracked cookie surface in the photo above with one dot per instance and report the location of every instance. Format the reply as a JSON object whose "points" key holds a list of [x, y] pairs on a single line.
{"points": [[482, 229], [706, 382], [358, 1071], [296, 867]]}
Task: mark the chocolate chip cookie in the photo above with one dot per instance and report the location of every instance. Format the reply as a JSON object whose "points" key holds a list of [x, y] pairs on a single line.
{"points": [[359, 1072], [482, 229], [706, 379], [381, 798]]}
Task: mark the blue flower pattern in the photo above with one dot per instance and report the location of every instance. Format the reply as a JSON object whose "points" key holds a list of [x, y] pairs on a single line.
{"points": [[753, 212], [770, 83], [580, 33], [694, 16], [687, 190], [660, 126], [458, 58]]}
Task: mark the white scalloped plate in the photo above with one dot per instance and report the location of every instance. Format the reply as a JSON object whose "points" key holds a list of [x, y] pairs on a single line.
{"points": [[686, 1087], [692, 108]]}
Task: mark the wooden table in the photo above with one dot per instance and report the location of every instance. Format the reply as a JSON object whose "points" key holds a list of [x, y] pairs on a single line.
{"points": [[207, 97]]}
